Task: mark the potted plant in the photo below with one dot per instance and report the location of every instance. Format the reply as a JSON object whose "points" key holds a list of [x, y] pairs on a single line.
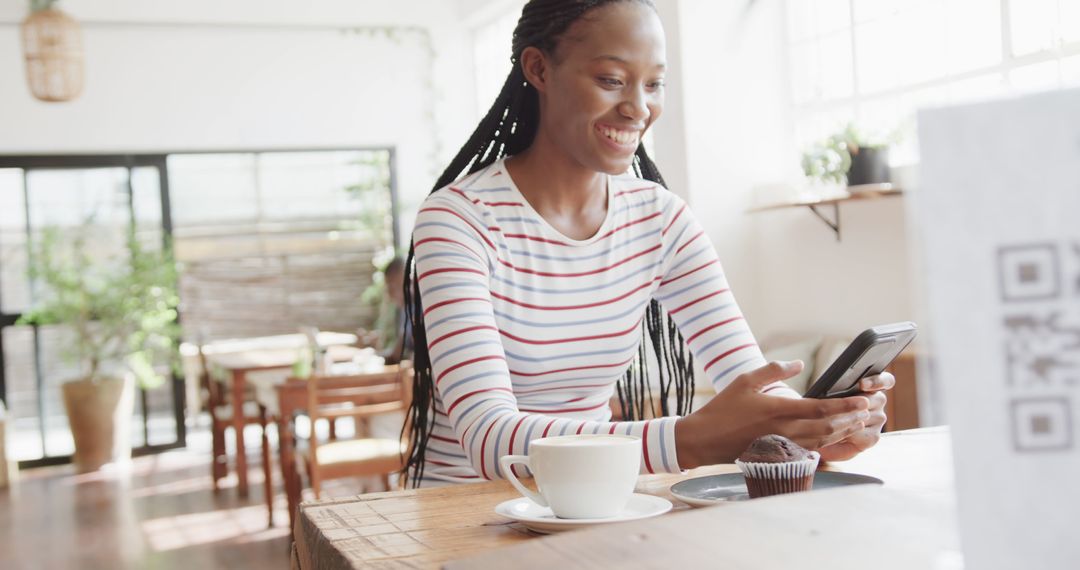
{"points": [[848, 156], [122, 315]]}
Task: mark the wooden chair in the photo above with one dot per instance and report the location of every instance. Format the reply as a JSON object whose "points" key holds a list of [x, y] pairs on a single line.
{"points": [[221, 412], [360, 397]]}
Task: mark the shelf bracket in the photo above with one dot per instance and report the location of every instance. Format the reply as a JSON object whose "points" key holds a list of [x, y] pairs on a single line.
{"points": [[833, 224]]}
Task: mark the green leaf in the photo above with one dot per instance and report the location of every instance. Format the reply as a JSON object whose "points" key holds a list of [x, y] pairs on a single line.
{"points": [[120, 310]]}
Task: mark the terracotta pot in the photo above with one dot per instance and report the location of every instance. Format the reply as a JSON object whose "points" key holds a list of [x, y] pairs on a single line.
{"points": [[8, 470], [99, 414]]}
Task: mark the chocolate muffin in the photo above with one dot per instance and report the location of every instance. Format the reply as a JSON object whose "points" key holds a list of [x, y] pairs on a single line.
{"points": [[773, 465], [773, 449]]}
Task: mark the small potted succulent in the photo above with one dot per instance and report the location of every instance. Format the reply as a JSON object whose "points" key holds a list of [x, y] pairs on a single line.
{"points": [[848, 156]]}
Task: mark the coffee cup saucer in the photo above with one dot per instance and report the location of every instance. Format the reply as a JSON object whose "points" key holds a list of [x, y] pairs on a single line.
{"points": [[542, 520]]}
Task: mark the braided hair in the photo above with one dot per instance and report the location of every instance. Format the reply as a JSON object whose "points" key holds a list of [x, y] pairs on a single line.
{"points": [[509, 128]]}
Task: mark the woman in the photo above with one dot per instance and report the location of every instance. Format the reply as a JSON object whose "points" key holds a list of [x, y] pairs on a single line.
{"points": [[536, 274]]}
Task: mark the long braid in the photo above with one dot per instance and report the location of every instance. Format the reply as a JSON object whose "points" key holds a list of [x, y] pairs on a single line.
{"points": [[670, 349], [508, 128]]}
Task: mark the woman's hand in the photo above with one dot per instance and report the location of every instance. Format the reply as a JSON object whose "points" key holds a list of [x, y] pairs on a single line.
{"points": [[873, 388], [724, 427]]}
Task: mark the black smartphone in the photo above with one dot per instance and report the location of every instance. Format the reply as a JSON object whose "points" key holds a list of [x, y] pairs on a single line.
{"points": [[867, 355]]}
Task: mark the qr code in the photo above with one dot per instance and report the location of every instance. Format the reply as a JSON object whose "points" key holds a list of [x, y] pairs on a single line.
{"points": [[1041, 424], [1041, 350], [1040, 294], [1029, 272]]}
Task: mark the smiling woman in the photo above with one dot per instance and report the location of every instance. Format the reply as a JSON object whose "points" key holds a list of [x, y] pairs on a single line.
{"points": [[601, 88], [532, 281]]}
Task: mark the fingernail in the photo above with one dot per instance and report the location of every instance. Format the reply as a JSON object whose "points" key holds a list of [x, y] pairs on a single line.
{"points": [[864, 415]]}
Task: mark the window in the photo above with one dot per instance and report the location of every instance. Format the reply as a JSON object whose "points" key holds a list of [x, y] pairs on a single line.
{"points": [[104, 196], [269, 241], [875, 62]]}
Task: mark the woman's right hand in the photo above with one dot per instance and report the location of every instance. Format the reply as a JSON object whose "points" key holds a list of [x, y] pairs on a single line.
{"points": [[720, 430]]}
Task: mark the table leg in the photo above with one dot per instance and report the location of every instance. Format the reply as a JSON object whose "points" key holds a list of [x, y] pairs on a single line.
{"points": [[238, 381], [268, 478], [219, 467], [288, 466]]}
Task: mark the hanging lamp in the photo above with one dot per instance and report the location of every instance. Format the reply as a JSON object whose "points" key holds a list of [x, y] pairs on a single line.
{"points": [[52, 46]]}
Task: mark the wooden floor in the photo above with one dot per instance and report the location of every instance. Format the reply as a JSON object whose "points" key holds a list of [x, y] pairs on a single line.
{"points": [[160, 512]]}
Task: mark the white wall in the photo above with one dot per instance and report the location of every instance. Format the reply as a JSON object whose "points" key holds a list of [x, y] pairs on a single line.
{"points": [[786, 267], [809, 281], [733, 87], [201, 75], [479, 12], [669, 133]]}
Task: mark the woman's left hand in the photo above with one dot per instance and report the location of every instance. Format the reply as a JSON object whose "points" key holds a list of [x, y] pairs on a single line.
{"points": [[873, 387]]}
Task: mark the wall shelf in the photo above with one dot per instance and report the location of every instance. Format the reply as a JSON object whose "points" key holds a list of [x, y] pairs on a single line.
{"points": [[851, 194]]}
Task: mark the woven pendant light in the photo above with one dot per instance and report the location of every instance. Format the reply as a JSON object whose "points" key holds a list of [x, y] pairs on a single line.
{"points": [[52, 45]]}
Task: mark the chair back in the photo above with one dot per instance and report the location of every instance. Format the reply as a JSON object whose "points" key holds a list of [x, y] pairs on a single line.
{"points": [[360, 395], [214, 394]]}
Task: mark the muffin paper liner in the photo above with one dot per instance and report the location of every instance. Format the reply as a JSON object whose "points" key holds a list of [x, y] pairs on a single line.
{"points": [[764, 479]]}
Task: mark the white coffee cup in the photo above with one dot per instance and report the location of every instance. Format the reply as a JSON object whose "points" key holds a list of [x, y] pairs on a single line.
{"points": [[580, 476]]}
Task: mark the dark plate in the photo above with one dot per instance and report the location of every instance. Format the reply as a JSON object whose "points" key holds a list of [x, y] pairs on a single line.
{"points": [[705, 491]]}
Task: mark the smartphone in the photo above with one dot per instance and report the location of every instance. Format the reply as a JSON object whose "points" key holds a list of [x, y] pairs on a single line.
{"points": [[869, 354]]}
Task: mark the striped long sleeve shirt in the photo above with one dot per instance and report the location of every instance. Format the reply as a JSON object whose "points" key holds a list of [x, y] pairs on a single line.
{"points": [[528, 330]]}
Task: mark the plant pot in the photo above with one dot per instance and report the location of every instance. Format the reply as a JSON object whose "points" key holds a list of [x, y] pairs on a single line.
{"points": [[868, 166], [8, 471], [99, 414]]}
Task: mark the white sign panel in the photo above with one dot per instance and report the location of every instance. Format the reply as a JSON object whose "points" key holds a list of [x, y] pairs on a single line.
{"points": [[998, 220]]}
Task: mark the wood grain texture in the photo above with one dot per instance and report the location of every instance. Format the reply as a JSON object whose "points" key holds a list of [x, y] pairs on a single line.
{"points": [[840, 529], [902, 406], [428, 528], [416, 528]]}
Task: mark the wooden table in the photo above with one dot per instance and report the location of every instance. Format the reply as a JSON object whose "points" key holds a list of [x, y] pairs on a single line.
{"points": [[292, 398], [457, 527], [238, 364]]}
